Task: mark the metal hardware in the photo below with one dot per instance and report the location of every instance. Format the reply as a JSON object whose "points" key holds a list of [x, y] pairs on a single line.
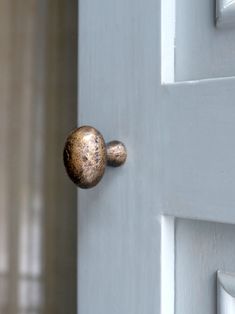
{"points": [[86, 156]]}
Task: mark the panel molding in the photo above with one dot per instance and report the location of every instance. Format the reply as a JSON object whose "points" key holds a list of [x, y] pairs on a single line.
{"points": [[225, 280], [225, 292], [168, 25], [225, 13], [167, 265]]}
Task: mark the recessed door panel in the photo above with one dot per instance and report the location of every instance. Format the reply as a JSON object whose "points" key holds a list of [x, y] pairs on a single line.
{"points": [[193, 251], [201, 249], [198, 40]]}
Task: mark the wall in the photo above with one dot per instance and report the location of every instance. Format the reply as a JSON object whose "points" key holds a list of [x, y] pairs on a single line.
{"points": [[38, 66]]}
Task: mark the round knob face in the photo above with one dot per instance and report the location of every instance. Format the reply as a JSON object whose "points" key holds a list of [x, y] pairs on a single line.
{"points": [[85, 156]]}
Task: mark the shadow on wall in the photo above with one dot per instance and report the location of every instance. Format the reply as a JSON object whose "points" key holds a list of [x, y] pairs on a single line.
{"points": [[38, 93]]}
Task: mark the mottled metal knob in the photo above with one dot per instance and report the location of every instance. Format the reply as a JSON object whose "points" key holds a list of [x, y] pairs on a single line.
{"points": [[86, 156]]}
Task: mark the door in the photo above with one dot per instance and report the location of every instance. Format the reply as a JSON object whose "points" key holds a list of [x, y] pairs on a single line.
{"points": [[159, 76]]}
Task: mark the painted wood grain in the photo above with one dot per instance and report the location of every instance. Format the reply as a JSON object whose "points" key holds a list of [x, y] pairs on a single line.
{"points": [[180, 141]]}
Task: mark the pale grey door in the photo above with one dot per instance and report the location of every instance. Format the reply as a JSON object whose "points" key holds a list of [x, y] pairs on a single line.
{"points": [[153, 234]]}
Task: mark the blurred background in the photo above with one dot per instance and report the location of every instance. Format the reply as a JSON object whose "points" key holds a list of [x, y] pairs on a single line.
{"points": [[38, 93]]}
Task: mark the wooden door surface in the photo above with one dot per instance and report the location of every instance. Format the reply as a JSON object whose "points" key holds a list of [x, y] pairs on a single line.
{"points": [[158, 75]]}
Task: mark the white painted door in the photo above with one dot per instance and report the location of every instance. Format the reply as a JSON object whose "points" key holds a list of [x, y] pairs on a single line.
{"points": [[153, 234]]}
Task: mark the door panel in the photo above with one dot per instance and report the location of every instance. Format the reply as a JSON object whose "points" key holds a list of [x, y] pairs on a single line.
{"points": [[201, 249], [179, 138], [193, 48], [202, 50]]}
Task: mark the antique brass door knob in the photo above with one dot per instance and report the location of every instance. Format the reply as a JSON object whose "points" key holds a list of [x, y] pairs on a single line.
{"points": [[86, 156]]}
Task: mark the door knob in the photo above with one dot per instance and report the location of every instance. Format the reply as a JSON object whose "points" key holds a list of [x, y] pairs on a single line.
{"points": [[86, 156]]}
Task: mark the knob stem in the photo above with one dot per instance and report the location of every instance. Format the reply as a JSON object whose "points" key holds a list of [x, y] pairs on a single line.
{"points": [[116, 153]]}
